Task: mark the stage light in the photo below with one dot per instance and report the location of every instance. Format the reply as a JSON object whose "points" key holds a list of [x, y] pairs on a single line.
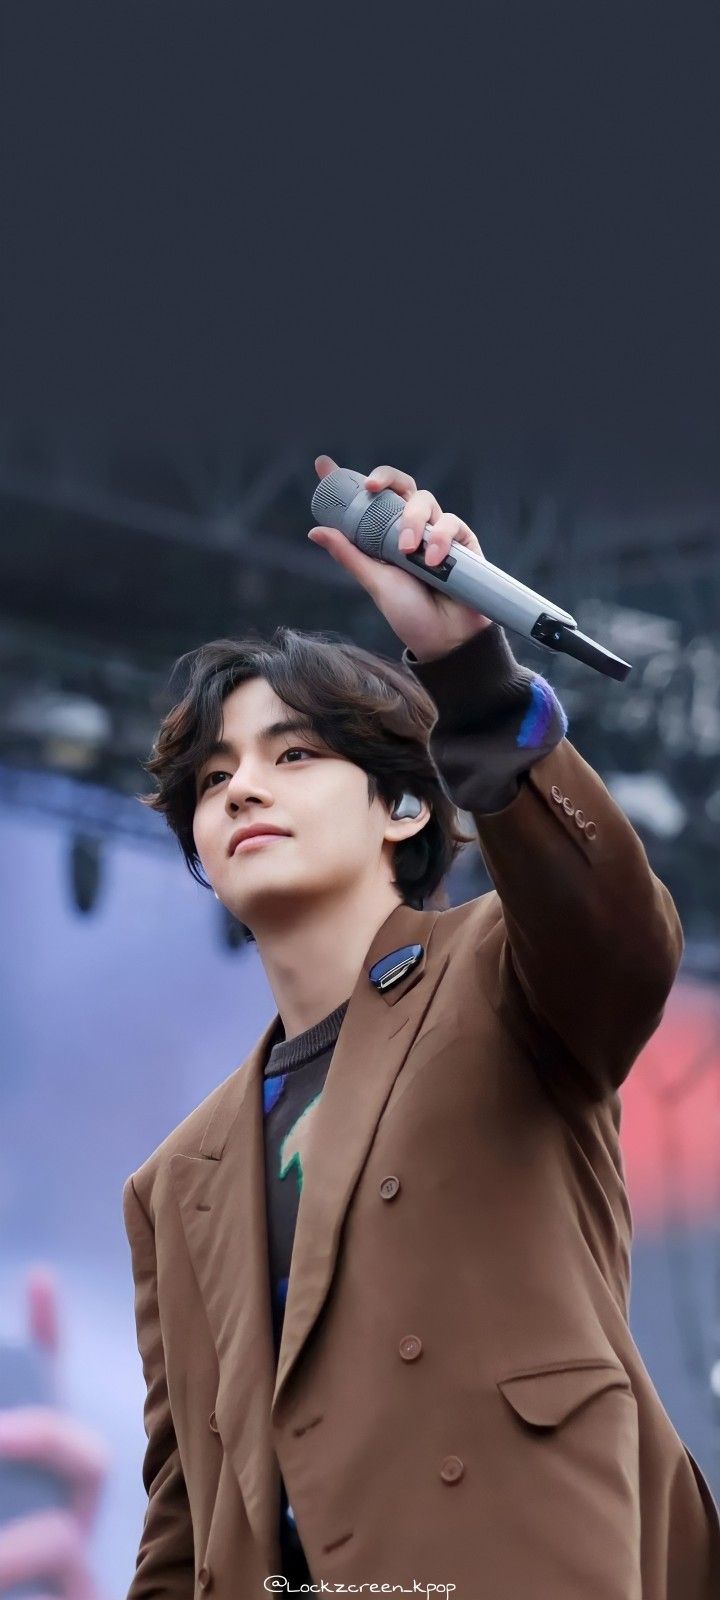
{"points": [[85, 871]]}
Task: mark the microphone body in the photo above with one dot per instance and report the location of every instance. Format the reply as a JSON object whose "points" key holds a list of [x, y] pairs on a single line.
{"points": [[373, 522]]}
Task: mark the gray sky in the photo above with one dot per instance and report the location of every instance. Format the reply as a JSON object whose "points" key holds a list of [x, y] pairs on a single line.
{"points": [[503, 229]]}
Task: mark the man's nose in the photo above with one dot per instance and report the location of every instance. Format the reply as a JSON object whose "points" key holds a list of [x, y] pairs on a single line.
{"points": [[246, 784]]}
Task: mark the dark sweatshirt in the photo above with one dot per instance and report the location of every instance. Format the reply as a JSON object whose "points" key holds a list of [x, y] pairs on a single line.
{"points": [[496, 718]]}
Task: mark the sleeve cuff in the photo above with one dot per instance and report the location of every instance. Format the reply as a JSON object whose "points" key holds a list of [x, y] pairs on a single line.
{"points": [[496, 718], [476, 681]]}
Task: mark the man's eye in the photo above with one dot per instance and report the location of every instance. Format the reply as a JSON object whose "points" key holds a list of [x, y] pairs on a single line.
{"points": [[293, 750]]}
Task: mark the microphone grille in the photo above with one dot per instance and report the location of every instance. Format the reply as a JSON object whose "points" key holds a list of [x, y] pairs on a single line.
{"points": [[374, 523], [334, 493], [337, 491]]}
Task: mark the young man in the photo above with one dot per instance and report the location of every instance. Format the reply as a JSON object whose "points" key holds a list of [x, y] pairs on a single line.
{"points": [[382, 1272]]}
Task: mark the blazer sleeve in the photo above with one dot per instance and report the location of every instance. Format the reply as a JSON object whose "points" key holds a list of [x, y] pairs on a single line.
{"points": [[589, 939], [165, 1565]]}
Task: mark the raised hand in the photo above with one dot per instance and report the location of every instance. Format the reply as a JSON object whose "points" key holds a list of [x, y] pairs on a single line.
{"points": [[428, 622]]}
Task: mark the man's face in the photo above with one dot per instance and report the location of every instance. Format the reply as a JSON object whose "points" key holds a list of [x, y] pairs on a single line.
{"points": [[334, 836]]}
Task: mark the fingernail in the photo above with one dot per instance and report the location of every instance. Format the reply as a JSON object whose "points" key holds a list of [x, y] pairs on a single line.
{"points": [[406, 538]]}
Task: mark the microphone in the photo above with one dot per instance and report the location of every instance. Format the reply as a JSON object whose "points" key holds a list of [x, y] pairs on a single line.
{"points": [[373, 521]]}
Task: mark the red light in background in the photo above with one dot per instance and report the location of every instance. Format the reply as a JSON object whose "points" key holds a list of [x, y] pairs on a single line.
{"points": [[670, 1131]]}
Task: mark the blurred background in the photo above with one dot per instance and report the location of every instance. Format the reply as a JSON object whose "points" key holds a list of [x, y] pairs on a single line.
{"points": [[487, 252]]}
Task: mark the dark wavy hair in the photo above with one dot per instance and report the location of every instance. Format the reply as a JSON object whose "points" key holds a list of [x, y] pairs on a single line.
{"points": [[365, 706]]}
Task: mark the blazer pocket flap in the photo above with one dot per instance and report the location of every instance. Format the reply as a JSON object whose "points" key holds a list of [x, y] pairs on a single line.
{"points": [[547, 1396]]}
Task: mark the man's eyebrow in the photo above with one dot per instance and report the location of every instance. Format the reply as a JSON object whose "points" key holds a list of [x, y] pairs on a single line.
{"points": [[265, 736]]}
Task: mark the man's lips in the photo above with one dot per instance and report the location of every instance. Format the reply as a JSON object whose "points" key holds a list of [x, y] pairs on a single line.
{"points": [[257, 839]]}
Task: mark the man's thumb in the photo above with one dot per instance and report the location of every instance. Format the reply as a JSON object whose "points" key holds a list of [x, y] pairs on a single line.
{"points": [[347, 554]]}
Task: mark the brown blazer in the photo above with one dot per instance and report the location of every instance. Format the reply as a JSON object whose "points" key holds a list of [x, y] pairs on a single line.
{"points": [[458, 1398]]}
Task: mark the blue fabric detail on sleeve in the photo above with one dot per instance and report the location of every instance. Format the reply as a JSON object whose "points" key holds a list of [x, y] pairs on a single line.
{"points": [[543, 705]]}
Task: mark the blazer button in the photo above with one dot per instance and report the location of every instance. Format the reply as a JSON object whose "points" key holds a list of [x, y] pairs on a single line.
{"points": [[204, 1578], [568, 806], [213, 1422], [556, 794], [389, 1187], [410, 1347], [452, 1469]]}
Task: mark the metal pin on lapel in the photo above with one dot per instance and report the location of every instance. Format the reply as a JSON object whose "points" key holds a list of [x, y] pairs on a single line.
{"points": [[392, 967]]}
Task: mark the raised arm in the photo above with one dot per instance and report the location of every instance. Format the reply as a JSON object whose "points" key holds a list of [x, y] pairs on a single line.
{"points": [[585, 941], [589, 940], [165, 1566]]}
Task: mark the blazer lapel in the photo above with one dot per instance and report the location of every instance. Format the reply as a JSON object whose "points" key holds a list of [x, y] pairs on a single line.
{"points": [[221, 1196]]}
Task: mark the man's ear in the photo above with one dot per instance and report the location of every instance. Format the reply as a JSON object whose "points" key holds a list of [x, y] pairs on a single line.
{"points": [[409, 826]]}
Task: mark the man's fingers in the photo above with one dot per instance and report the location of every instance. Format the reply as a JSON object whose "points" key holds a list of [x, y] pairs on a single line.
{"points": [[422, 507], [324, 465], [54, 1440], [391, 478]]}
